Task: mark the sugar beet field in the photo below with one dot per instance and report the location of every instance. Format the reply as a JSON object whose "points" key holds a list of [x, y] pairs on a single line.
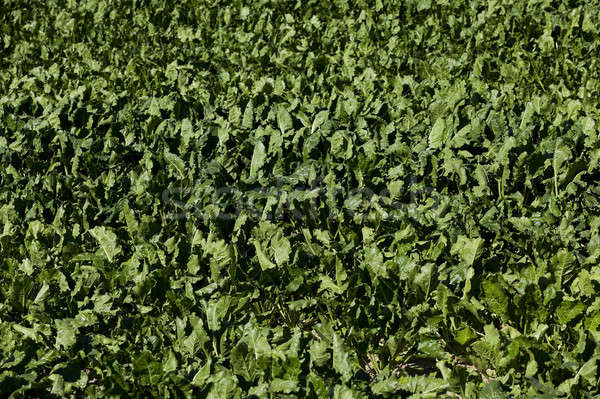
{"points": [[299, 199]]}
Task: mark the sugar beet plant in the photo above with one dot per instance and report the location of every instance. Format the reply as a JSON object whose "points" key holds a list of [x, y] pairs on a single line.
{"points": [[275, 199]]}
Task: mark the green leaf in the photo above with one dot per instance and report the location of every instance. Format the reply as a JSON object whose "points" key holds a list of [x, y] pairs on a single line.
{"points": [[107, 240], [201, 377], [469, 249], [170, 362], [319, 353], [282, 249], [258, 159], [263, 259], [561, 155], [492, 390], [284, 120], [341, 359], [588, 371], [495, 297], [423, 385], [437, 134], [561, 263], [42, 293], [220, 257], [66, 333], [568, 310], [26, 332], [465, 335], [374, 261], [321, 118], [216, 312], [242, 363], [248, 118], [175, 164]]}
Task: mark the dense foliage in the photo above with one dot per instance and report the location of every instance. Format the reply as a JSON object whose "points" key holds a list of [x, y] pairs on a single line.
{"points": [[299, 199]]}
